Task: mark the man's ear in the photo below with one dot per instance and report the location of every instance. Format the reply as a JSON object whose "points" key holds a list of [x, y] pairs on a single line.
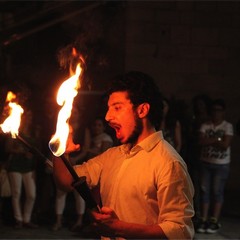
{"points": [[143, 110]]}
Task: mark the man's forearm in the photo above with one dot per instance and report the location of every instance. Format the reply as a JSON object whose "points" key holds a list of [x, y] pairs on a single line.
{"points": [[61, 175]]}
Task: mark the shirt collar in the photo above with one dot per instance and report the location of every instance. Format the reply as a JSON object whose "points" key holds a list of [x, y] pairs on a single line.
{"points": [[147, 144]]}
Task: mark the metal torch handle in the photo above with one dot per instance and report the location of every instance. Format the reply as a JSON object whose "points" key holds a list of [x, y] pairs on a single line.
{"points": [[80, 185]]}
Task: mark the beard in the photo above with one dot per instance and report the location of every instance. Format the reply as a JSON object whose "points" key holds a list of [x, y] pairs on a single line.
{"points": [[132, 139]]}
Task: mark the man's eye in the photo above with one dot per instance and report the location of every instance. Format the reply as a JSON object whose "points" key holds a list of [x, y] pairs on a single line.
{"points": [[117, 108]]}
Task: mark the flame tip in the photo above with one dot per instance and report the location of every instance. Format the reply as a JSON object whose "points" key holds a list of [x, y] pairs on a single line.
{"points": [[15, 111]]}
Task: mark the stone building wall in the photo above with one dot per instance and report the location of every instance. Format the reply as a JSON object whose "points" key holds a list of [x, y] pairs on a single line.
{"points": [[189, 47]]}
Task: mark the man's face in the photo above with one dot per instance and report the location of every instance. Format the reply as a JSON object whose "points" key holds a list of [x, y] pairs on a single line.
{"points": [[123, 118], [217, 113]]}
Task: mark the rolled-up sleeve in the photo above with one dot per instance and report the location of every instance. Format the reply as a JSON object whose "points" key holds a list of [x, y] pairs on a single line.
{"points": [[175, 194]]}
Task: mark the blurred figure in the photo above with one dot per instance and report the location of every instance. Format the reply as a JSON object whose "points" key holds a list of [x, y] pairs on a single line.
{"points": [[215, 139], [60, 206], [100, 140], [79, 129], [170, 126], [201, 109], [94, 142], [21, 167], [201, 105]]}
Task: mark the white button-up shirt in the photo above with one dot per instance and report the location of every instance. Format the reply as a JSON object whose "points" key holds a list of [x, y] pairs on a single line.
{"points": [[147, 184]]}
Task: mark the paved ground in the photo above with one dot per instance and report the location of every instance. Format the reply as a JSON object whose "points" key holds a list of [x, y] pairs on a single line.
{"points": [[230, 221], [230, 230]]}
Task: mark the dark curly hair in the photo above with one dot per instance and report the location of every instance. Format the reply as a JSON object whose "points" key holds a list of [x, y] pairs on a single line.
{"points": [[141, 88]]}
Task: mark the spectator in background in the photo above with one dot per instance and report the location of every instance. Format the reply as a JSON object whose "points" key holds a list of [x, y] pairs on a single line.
{"points": [[215, 139], [201, 105], [77, 128], [60, 206], [100, 140], [21, 167], [94, 142], [171, 126]]}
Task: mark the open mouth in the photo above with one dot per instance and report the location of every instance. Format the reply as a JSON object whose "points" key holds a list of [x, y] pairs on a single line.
{"points": [[116, 127]]}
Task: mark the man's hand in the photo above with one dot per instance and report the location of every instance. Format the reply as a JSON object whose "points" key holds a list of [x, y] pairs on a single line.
{"points": [[106, 222]]}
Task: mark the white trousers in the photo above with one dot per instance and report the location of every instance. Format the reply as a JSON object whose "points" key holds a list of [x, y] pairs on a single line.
{"points": [[61, 201], [28, 179]]}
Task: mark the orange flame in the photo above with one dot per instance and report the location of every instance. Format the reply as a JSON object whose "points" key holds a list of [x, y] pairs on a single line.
{"points": [[66, 94], [13, 121]]}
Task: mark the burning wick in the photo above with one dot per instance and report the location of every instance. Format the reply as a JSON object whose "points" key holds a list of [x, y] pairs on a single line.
{"points": [[55, 145]]}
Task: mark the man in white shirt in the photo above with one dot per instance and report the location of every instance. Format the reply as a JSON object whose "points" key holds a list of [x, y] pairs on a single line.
{"points": [[145, 188]]}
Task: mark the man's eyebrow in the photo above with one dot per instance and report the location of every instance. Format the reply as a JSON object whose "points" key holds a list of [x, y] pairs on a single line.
{"points": [[116, 103]]}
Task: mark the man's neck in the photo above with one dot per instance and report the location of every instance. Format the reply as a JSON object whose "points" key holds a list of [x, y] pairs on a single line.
{"points": [[147, 131], [217, 122]]}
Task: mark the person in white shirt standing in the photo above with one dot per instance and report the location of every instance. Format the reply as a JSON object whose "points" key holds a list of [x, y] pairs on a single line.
{"points": [[145, 187], [215, 139], [100, 140]]}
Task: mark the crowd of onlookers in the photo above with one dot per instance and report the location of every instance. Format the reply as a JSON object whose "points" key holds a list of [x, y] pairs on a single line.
{"points": [[202, 136]]}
